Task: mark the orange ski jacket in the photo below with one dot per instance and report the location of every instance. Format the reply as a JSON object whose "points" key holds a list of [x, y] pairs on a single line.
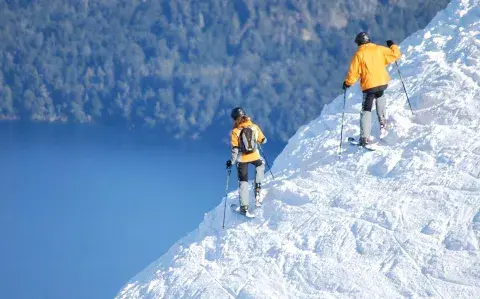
{"points": [[235, 143], [368, 64]]}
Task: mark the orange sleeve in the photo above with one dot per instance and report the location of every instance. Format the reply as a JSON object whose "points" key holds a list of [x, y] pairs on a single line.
{"points": [[391, 54], [234, 139], [260, 136], [354, 71]]}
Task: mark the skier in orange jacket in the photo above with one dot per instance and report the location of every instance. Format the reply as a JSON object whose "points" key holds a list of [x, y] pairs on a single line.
{"points": [[369, 65], [244, 150]]}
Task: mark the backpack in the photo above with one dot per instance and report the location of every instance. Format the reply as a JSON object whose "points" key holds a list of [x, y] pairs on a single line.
{"points": [[248, 140]]}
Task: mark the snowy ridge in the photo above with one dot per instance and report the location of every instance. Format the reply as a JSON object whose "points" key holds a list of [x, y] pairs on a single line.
{"points": [[403, 221]]}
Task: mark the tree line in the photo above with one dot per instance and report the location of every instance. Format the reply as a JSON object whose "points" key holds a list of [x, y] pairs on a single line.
{"points": [[182, 65]]}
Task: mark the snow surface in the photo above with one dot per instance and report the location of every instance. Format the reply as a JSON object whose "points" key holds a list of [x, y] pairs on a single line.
{"points": [[403, 221]]}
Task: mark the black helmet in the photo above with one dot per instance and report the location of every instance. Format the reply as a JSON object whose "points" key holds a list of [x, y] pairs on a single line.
{"points": [[362, 38], [237, 112]]}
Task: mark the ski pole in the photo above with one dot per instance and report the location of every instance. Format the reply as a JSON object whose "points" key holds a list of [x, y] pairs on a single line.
{"points": [[226, 194], [263, 154], [404, 89], [341, 131]]}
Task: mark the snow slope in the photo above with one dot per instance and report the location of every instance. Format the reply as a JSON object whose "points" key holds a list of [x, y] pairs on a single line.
{"points": [[403, 221]]}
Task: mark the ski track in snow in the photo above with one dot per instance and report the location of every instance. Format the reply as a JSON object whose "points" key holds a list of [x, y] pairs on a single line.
{"points": [[400, 222]]}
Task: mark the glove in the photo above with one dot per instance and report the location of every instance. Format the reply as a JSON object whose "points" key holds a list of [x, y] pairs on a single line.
{"points": [[390, 43], [345, 85], [229, 164]]}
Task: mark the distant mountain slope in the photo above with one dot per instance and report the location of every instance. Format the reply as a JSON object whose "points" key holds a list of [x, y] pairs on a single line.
{"points": [[403, 221], [178, 65]]}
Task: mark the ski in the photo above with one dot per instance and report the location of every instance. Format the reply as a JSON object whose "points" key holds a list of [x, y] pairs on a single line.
{"points": [[371, 147], [258, 202], [236, 209], [383, 134]]}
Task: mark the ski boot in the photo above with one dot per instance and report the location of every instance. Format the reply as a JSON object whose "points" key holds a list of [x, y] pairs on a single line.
{"points": [[244, 211], [383, 130], [363, 141], [366, 143]]}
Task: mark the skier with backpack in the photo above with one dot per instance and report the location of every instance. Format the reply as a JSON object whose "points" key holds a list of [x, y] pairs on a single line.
{"points": [[368, 64], [245, 139]]}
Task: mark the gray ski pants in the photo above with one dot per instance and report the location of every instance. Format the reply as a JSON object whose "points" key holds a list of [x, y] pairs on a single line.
{"points": [[242, 168], [366, 113]]}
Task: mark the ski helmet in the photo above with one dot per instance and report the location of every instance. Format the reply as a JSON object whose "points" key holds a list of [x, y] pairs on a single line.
{"points": [[237, 112], [362, 38]]}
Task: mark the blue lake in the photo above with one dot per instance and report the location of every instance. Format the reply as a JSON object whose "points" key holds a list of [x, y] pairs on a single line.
{"points": [[83, 209]]}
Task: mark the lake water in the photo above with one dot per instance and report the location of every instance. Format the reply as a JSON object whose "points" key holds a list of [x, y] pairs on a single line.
{"points": [[83, 209]]}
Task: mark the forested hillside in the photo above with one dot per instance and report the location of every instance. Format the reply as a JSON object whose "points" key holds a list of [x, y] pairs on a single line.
{"points": [[181, 65]]}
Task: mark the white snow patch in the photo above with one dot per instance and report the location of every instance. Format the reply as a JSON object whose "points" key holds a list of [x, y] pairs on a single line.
{"points": [[400, 222]]}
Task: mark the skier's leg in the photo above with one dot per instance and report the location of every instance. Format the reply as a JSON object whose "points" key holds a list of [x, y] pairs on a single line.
{"points": [[259, 171], [366, 117], [243, 185], [259, 174], [380, 104]]}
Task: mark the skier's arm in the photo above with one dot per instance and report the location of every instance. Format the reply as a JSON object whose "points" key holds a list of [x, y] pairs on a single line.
{"points": [[234, 154], [234, 144], [261, 137], [353, 72], [391, 54]]}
